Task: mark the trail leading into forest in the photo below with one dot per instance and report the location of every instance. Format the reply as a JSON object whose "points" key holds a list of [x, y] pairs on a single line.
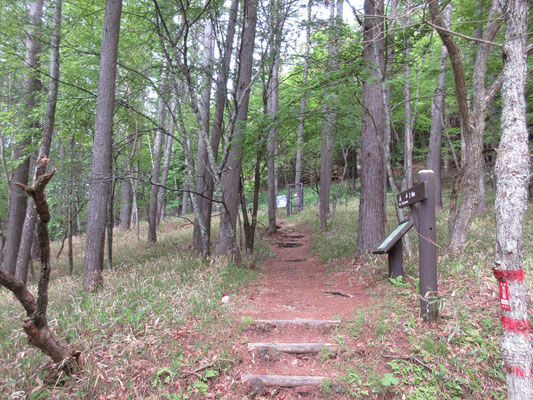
{"points": [[294, 309]]}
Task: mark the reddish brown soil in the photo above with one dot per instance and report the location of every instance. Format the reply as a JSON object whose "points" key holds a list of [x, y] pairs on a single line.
{"points": [[293, 286]]}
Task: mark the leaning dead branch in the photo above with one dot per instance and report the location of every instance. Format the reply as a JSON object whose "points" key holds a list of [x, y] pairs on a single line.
{"points": [[35, 325]]}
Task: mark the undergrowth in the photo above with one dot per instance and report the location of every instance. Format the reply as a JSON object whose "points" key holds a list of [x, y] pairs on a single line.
{"points": [[389, 351], [158, 318]]}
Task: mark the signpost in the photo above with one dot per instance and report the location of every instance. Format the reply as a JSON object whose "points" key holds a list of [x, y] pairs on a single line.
{"points": [[424, 193], [392, 245]]}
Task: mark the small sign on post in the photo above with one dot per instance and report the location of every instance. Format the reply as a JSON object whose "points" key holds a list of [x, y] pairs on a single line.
{"points": [[392, 245]]}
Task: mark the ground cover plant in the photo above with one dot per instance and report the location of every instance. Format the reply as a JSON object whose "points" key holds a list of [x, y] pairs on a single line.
{"points": [[158, 329]]}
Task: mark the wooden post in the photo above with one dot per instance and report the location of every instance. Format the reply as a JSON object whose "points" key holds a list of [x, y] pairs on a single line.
{"points": [[427, 249], [396, 260]]}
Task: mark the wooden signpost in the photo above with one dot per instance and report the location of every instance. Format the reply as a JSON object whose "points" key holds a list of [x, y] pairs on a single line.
{"points": [[423, 196], [392, 245]]}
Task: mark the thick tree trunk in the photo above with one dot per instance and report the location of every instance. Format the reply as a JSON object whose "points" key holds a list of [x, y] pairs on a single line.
{"points": [[156, 166], [372, 203], [24, 255], [512, 170], [227, 241], [30, 88], [437, 117], [202, 168], [103, 132]]}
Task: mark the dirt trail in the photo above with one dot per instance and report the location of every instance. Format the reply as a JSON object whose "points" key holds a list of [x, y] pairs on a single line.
{"points": [[295, 286]]}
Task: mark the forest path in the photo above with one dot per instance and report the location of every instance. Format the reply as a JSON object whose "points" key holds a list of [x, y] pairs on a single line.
{"points": [[295, 305]]}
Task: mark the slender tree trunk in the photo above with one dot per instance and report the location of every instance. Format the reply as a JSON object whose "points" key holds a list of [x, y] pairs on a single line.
{"points": [[472, 119], [103, 132], [227, 241], [156, 167], [372, 204], [272, 110], [24, 255], [512, 170], [202, 169], [437, 116], [30, 88], [303, 101], [167, 155], [125, 201], [329, 114]]}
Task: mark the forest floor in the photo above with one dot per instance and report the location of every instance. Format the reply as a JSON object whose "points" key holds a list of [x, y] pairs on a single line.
{"points": [[168, 325]]}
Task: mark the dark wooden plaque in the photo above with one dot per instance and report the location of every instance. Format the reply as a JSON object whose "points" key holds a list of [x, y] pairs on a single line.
{"points": [[394, 236], [411, 196]]}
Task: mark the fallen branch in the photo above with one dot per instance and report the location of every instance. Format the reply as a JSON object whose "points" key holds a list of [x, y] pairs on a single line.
{"points": [[338, 293]]}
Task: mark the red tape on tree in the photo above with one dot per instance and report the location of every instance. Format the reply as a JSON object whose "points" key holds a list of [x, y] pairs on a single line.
{"points": [[518, 326], [509, 275]]}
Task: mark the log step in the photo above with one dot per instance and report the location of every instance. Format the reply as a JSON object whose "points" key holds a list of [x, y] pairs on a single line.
{"points": [[295, 348], [289, 244], [283, 380], [296, 322]]}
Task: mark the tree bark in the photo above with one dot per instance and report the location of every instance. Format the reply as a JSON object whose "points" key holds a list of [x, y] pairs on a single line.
{"points": [[437, 116], [35, 325], [227, 241], [156, 166], [472, 120], [101, 165], [329, 113], [512, 171], [202, 169], [28, 230], [278, 20], [372, 202], [167, 155], [303, 101], [30, 88]]}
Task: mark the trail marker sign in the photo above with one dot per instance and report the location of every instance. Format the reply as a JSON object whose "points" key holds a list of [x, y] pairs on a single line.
{"points": [[392, 245], [411, 196]]}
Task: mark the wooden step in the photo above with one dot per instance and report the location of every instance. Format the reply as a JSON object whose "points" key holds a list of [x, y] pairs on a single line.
{"points": [[295, 348], [296, 322], [283, 380]]}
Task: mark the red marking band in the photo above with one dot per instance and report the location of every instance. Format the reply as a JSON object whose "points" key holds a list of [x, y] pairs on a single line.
{"points": [[518, 371], [516, 326], [509, 275]]}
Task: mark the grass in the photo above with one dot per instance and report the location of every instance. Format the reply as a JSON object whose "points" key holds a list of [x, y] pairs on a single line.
{"points": [[131, 331], [389, 352], [158, 329]]}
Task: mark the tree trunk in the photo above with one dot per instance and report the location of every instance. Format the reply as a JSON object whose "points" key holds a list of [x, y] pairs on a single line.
{"points": [[125, 201], [167, 155], [28, 230], [372, 204], [202, 169], [101, 165], [472, 120], [278, 20], [303, 101], [156, 167], [512, 170], [437, 116], [329, 114], [227, 241], [30, 88]]}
